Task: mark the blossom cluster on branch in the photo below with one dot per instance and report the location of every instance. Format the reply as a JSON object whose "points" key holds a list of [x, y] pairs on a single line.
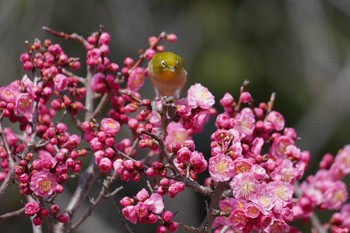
{"points": [[254, 170]]}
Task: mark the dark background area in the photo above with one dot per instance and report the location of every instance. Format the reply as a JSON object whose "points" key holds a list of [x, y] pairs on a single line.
{"points": [[296, 48]]}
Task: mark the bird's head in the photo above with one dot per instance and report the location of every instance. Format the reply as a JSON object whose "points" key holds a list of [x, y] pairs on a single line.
{"points": [[167, 64]]}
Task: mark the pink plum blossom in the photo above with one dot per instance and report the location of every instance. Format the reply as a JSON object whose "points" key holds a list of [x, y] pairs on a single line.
{"points": [[279, 146], [221, 168], [199, 96], [60, 82], [281, 192], [28, 84], [199, 120], [244, 185], [110, 126], [335, 196], [198, 162], [276, 119], [176, 133], [155, 203], [245, 121], [130, 214], [342, 161], [264, 201], [24, 106], [136, 79], [285, 172], [242, 165], [31, 208], [227, 100], [142, 195], [98, 83], [10, 92], [43, 183]]}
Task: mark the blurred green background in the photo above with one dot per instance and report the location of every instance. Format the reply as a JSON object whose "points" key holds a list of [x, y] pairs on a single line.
{"points": [[296, 48]]}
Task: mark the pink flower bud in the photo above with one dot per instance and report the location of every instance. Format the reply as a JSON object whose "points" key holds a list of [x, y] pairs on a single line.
{"points": [[142, 195], [246, 97], [152, 218], [173, 226], [171, 37], [28, 66], [109, 141], [183, 155], [92, 40], [104, 49], [56, 104], [114, 67], [55, 209], [61, 128], [37, 220], [44, 212], [105, 38], [167, 216], [164, 182], [126, 201], [59, 188], [128, 62], [63, 218], [149, 53], [62, 59], [24, 57], [31, 208], [55, 49], [95, 144], [105, 165], [133, 123], [60, 82], [161, 229], [101, 136]]}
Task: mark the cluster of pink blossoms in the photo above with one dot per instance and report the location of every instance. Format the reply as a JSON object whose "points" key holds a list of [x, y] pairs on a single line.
{"points": [[45, 154], [256, 156], [254, 164], [326, 190]]}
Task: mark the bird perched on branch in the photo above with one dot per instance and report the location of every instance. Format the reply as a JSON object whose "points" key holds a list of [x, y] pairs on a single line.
{"points": [[167, 73]]}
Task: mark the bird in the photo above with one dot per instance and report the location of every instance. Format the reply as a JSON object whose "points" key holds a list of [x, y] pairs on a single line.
{"points": [[167, 73]]}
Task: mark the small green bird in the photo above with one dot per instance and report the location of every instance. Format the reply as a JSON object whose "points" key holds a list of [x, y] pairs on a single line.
{"points": [[167, 73]]}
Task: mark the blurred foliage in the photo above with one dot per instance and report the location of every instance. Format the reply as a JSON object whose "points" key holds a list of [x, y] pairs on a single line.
{"points": [[298, 49]]}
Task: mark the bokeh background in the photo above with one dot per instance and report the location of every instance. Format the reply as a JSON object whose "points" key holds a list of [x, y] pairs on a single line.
{"points": [[299, 49]]}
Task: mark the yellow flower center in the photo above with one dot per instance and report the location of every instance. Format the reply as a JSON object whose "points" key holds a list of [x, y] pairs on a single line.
{"points": [[45, 185], [221, 167]]}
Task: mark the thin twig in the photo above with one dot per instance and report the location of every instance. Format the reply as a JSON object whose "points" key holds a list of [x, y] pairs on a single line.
{"points": [[271, 102], [214, 204], [12, 214], [89, 97], [129, 94], [10, 173], [86, 181], [103, 102], [195, 186], [73, 36], [71, 74], [102, 195], [160, 143]]}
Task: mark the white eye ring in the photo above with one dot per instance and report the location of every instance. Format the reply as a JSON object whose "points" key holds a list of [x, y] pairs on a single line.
{"points": [[162, 62], [177, 63]]}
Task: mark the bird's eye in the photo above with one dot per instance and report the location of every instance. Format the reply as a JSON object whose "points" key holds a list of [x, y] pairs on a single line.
{"points": [[177, 63], [162, 62]]}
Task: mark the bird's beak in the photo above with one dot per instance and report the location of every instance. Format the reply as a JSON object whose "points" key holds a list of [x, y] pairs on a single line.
{"points": [[171, 69]]}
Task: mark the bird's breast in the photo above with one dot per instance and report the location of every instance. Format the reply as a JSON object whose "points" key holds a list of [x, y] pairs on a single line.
{"points": [[167, 75]]}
